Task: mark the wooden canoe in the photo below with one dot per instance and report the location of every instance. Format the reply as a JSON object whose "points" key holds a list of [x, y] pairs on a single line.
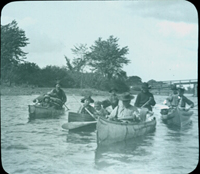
{"points": [[37, 111], [109, 132], [176, 116], [80, 122], [77, 117]]}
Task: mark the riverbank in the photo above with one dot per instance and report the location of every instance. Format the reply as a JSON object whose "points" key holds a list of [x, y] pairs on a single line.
{"points": [[16, 90], [25, 90]]}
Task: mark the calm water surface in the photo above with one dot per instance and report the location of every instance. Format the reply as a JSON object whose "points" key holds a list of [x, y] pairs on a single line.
{"points": [[42, 146]]}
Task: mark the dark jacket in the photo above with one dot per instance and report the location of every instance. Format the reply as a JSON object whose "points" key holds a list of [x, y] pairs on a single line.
{"points": [[111, 101], [59, 94], [142, 98], [185, 101]]}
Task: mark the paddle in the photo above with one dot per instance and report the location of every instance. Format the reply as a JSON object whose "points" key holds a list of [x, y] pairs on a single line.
{"points": [[146, 102], [190, 107], [74, 125], [66, 107], [86, 109]]}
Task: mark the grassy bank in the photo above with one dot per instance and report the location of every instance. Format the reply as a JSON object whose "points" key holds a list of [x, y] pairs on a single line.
{"points": [[16, 90], [25, 90]]}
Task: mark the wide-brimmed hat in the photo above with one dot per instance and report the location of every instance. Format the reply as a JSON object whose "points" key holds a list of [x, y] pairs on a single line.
{"points": [[87, 98], [145, 85], [126, 97], [181, 88], [113, 89], [173, 87]]}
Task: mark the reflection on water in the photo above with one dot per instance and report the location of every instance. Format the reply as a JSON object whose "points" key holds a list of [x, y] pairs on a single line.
{"points": [[42, 146], [80, 137], [123, 151]]}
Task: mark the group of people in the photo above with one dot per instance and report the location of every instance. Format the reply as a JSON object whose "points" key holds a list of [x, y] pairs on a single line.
{"points": [[177, 98], [121, 107], [55, 98]]}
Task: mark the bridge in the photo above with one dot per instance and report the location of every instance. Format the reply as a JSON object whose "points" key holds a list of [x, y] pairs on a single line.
{"points": [[159, 85]]}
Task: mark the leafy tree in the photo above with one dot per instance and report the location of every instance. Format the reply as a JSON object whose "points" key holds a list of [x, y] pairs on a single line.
{"points": [[51, 74], [28, 73], [79, 62], [69, 65], [133, 81], [107, 58], [12, 41], [80, 59]]}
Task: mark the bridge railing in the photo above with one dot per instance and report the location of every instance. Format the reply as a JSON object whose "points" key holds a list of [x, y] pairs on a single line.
{"points": [[187, 81], [168, 83]]}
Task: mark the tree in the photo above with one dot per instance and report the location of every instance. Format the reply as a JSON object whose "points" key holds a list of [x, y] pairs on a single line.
{"points": [[133, 81], [28, 73], [80, 59], [107, 58], [12, 40]]}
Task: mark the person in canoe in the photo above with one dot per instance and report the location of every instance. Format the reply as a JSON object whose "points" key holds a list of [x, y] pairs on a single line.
{"points": [[99, 110], [86, 108], [58, 96], [46, 102], [112, 100], [145, 99], [184, 100], [124, 111], [173, 99]]}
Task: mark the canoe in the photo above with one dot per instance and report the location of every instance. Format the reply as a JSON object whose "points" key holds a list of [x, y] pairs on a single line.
{"points": [[80, 122], [109, 132], [176, 116], [36, 111], [78, 117]]}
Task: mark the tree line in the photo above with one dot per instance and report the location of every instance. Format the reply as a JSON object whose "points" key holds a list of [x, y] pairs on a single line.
{"points": [[99, 66]]}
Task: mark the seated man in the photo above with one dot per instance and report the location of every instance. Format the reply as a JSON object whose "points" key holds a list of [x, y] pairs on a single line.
{"points": [[86, 108], [126, 110], [112, 100], [58, 96], [145, 99], [184, 100], [173, 99]]}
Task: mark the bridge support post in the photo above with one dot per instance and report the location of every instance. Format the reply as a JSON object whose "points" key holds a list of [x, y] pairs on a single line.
{"points": [[195, 93]]}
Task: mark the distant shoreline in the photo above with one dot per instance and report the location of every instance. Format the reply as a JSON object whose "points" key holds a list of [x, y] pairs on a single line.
{"points": [[17, 90], [25, 90]]}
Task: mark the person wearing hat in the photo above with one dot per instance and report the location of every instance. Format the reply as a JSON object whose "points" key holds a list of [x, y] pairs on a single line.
{"points": [[99, 110], [126, 110], [112, 100], [173, 99], [46, 101], [86, 104], [145, 98], [184, 100], [58, 95]]}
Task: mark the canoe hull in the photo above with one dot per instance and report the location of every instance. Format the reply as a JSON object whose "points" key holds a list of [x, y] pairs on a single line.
{"points": [[177, 117], [41, 112], [77, 117], [109, 132]]}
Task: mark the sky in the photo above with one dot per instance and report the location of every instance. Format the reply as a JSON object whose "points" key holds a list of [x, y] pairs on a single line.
{"points": [[162, 36]]}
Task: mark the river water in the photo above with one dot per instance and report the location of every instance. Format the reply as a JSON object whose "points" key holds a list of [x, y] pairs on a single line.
{"points": [[42, 146]]}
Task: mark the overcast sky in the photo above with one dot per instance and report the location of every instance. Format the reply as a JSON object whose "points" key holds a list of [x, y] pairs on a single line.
{"points": [[162, 36]]}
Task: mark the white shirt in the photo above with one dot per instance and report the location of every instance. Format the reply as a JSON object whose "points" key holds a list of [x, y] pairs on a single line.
{"points": [[123, 112]]}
